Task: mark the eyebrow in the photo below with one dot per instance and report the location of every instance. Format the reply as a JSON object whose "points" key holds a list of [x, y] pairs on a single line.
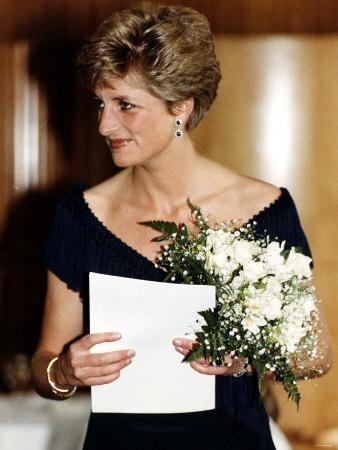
{"points": [[122, 97], [125, 98]]}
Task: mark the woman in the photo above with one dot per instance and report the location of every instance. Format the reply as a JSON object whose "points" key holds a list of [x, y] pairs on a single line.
{"points": [[154, 74]]}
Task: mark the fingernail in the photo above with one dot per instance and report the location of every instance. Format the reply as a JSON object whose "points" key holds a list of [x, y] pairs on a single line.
{"points": [[117, 335], [131, 353], [177, 342], [128, 361]]}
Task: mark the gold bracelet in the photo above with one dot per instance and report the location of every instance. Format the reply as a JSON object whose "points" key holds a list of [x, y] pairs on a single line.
{"points": [[64, 393]]}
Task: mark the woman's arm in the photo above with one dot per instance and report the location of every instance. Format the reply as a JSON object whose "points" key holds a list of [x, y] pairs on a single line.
{"points": [[62, 328]]}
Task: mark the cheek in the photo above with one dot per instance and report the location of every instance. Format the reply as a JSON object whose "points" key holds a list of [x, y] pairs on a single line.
{"points": [[151, 124]]}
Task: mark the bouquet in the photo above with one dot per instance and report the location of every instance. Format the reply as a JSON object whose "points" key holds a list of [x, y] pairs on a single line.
{"points": [[265, 307]]}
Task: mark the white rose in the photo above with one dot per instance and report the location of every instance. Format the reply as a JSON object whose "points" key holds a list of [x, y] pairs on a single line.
{"points": [[252, 323], [272, 256], [228, 270], [273, 285], [282, 273], [271, 306], [221, 257], [220, 264], [298, 264], [243, 251], [253, 270], [218, 239], [237, 282]]}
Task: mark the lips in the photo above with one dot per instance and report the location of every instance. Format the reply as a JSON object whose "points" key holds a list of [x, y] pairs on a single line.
{"points": [[114, 144]]}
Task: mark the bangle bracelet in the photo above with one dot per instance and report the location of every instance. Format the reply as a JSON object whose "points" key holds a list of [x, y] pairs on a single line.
{"points": [[243, 370], [65, 393]]}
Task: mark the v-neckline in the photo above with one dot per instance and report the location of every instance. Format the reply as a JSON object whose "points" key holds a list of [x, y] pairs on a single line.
{"points": [[109, 233]]}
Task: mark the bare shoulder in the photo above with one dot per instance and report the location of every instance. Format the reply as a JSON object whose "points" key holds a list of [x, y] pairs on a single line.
{"points": [[239, 196], [250, 191], [255, 194], [106, 191], [259, 193]]}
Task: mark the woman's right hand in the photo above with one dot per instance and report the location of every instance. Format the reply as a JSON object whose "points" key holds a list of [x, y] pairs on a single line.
{"points": [[80, 367]]}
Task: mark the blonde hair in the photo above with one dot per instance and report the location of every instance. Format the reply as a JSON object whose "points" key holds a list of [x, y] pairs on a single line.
{"points": [[170, 48]]}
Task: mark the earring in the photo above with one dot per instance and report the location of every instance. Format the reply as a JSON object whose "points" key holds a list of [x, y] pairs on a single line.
{"points": [[178, 132]]}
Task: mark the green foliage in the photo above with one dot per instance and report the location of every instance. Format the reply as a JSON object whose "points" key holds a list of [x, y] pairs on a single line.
{"points": [[167, 228]]}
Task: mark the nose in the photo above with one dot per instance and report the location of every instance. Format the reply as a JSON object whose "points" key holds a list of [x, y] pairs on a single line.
{"points": [[109, 122]]}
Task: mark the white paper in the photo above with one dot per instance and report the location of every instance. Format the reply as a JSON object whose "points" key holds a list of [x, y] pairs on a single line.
{"points": [[149, 315]]}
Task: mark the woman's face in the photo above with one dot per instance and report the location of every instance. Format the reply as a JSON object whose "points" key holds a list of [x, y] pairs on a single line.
{"points": [[136, 125]]}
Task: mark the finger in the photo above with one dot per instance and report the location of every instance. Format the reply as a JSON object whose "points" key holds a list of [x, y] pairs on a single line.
{"points": [[183, 351], [84, 373], [184, 343], [104, 359], [210, 370], [95, 381], [88, 341]]}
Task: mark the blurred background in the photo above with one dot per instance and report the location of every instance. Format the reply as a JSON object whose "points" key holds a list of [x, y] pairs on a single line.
{"points": [[275, 118]]}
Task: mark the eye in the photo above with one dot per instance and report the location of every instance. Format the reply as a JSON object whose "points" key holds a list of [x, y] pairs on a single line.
{"points": [[99, 103], [125, 106]]}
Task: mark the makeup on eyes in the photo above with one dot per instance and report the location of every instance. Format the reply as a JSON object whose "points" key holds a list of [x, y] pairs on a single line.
{"points": [[125, 104]]}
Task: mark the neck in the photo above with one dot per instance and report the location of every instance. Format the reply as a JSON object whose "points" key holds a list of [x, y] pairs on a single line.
{"points": [[166, 182]]}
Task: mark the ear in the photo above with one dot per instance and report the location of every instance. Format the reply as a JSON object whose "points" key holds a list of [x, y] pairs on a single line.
{"points": [[183, 109]]}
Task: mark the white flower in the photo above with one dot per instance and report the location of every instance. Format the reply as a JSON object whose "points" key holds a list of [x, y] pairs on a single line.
{"points": [[243, 251], [252, 323], [291, 335], [253, 270], [282, 273], [273, 285], [254, 306], [220, 265], [271, 306], [237, 282], [218, 239], [227, 270], [220, 260], [237, 309], [298, 264], [272, 256], [308, 304]]}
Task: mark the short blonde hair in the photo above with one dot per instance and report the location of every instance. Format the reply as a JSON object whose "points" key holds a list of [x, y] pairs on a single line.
{"points": [[170, 47]]}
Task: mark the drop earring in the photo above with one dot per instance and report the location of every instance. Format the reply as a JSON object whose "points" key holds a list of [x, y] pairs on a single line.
{"points": [[178, 131]]}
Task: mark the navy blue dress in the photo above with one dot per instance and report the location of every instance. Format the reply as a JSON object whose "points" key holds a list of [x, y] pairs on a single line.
{"points": [[79, 243]]}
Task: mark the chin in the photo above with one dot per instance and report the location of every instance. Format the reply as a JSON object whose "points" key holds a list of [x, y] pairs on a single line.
{"points": [[123, 163]]}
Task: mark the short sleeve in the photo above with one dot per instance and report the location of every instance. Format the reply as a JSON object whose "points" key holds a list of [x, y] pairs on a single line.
{"points": [[281, 221], [63, 250]]}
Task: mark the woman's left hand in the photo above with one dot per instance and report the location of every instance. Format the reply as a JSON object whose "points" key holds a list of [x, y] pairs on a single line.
{"points": [[231, 366]]}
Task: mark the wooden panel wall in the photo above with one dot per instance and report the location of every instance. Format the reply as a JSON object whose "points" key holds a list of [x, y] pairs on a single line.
{"points": [[75, 18], [276, 118]]}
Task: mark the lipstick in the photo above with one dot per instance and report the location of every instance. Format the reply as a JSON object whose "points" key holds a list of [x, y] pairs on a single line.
{"points": [[115, 144]]}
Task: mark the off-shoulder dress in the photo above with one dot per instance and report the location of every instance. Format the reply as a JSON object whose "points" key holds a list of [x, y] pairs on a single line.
{"points": [[78, 243]]}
